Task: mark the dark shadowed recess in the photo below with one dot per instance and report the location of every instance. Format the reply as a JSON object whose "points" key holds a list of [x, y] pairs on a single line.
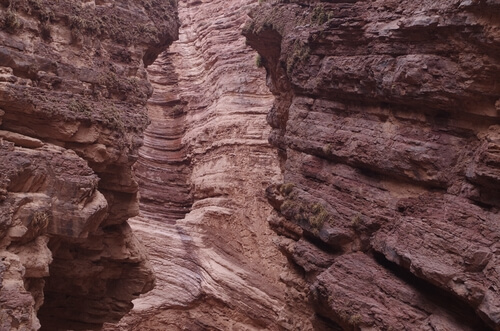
{"points": [[452, 304]]}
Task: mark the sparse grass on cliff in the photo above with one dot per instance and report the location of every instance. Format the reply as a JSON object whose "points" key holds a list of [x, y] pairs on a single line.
{"points": [[315, 215], [356, 220], [286, 188], [327, 149], [319, 216], [125, 88], [40, 9], [258, 61], [101, 21], [320, 15], [303, 212], [301, 53], [11, 22], [106, 113], [80, 108], [39, 221]]}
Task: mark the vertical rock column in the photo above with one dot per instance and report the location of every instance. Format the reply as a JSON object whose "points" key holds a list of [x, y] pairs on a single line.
{"points": [[163, 167]]}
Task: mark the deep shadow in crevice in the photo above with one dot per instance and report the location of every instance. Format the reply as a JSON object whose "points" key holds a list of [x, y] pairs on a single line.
{"points": [[325, 247], [321, 323], [454, 306]]}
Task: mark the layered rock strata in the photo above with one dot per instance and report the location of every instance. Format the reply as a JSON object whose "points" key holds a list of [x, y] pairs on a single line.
{"points": [[203, 171], [73, 90], [387, 123]]}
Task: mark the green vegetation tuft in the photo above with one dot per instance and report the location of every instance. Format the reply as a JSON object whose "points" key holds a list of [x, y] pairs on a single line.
{"points": [[80, 108], [301, 53], [319, 15], [314, 214], [356, 221], [40, 220], [286, 188], [258, 61], [35, 4], [355, 319], [11, 22], [113, 118], [327, 149], [319, 216]]}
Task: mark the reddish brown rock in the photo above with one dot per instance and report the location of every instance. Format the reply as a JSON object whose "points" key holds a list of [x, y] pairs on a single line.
{"points": [[163, 164], [386, 119], [360, 294], [202, 173], [17, 304], [73, 90]]}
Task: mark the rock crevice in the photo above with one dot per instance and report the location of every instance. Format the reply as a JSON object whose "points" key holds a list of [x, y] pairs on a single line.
{"points": [[203, 171]]}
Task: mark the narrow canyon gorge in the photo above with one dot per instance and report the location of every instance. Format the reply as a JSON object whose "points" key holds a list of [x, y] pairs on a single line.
{"points": [[203, 171], [250, 165]]}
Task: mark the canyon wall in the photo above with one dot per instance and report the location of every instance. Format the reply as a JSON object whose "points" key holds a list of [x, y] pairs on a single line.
{"points": [[202, 172], [375, 207], [73, 90], [386, 120]]}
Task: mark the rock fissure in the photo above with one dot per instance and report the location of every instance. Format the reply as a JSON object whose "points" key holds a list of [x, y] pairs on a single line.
{"points": [[368, 201], [202, 190]]}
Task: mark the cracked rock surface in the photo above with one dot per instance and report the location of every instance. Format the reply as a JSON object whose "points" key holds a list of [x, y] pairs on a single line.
{"points": [[73, 90], [386, 119]]}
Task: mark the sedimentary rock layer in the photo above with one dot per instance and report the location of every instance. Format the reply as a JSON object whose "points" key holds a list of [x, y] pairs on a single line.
{"points": [[387, 122], [203, 171], [73, 90]]}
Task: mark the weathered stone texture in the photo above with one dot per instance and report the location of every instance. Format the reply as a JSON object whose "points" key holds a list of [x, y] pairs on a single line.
{"points": [[203, 171], [386, 118], [73, 90]]}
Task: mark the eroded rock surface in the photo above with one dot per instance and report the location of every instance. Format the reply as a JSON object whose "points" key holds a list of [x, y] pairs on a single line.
{"points": [[387, 122], [73, 90], [202, 172]]}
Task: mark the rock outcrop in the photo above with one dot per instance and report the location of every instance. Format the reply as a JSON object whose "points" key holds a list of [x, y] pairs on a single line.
{"points": [[203, 171], [381, 182], [73, 90], [387, 123]]}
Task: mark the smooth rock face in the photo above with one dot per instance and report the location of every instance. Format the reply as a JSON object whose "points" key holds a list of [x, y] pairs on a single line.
{"points": [[202, 172], [386, 118], [73, 90]]}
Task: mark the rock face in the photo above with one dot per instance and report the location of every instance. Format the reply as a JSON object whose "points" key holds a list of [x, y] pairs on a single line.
{"points": [[386, 118], [382, 181], [203, 171], [73, 90]]}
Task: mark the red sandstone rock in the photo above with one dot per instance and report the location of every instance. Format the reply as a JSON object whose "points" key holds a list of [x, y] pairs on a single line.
{"points": [[202, 173], [386, 124], [386, 117], [73, 90]]}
